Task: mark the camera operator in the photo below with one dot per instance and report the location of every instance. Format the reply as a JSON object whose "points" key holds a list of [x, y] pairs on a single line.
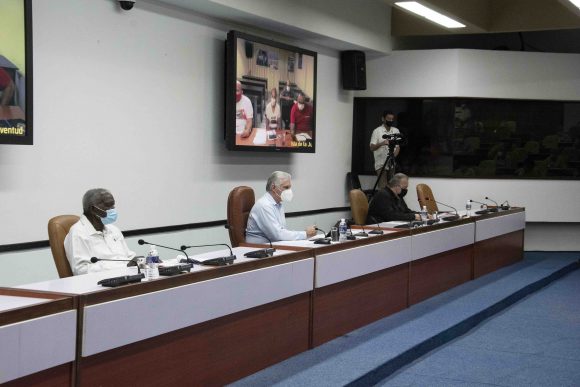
{"points": [[384, 140]]}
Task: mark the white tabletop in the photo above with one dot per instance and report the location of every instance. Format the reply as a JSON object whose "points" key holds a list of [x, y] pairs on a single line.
{"points": [[87, 283], [309, 243]]}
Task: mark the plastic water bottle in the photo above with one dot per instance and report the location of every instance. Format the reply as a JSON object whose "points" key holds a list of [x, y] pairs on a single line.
{"points": [[424, 216], [342, 227], [152, 262], [468, 208]]}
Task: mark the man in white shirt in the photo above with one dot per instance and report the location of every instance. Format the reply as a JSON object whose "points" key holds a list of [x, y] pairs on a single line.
{"points": [[94, 236], [380, 146], [267, 221], [244, 112], [273, 112]]}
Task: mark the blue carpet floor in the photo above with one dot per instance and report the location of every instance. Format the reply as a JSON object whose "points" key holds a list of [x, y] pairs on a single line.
{"points": [[370, 355], [536, 342]]}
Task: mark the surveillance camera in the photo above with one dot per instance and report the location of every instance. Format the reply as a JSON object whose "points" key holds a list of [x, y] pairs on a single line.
{"points": [[126, 4]]}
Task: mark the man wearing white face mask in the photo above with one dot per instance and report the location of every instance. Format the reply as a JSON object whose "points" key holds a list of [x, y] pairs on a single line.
{"points": [[301, 117], [95, 236], [267, 219]]}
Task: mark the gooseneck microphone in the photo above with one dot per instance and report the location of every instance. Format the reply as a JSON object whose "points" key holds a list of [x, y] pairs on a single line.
{"points": [[262, 253], [505, 206], [132, 262], [377, 232], [485, 206], [319, 229], [187, 259], [497, 206], [361, 233], [219, 261], [451, 217]]}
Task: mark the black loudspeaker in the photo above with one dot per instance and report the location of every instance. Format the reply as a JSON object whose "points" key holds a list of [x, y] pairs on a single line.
{"points": [[249, 49], [353, 67]]}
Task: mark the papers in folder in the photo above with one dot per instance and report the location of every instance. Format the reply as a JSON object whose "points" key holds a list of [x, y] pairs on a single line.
{"points": [[260, 138], [303, 137]]}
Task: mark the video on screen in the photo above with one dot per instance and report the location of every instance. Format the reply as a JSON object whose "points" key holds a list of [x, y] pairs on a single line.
{"points": [[271, 90]]}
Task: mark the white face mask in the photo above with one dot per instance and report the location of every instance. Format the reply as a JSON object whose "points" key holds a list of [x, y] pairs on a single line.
{"points": [[300, 106], [287, 195]]}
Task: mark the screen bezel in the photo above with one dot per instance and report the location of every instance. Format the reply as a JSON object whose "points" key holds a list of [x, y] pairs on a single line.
{"points": [[230, 93], [28, 138]]}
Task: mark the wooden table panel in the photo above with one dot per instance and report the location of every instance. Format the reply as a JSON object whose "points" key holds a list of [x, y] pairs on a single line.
{"points": [[348, 305], [54, 377], [494, 253], [435, 274], [211, 353]]}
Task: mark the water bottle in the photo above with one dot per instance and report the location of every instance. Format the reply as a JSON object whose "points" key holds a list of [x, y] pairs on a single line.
{"points": [[152, 262], [342, 231], [468, 208], [424, 216]]}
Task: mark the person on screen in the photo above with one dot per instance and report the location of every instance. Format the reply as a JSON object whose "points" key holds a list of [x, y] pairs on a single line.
{"points": [[244, 112], [267, 221], [301, 117], [273, 113], [386, 205], [286, 102], [7, 88], [94, 235], [380, 146]]}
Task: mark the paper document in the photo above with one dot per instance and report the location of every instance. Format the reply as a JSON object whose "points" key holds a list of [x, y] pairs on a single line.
{"points": [[260, 138], [303, 137]]}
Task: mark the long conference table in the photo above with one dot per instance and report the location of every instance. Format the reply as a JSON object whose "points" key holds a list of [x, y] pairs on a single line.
{"points": [[215, 325]]}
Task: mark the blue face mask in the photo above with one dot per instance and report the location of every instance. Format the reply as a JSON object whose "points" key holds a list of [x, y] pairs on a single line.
{"points": [[111, 217]]}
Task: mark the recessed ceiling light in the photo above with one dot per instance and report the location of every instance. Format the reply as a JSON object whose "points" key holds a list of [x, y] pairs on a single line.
{"points": [[434, 16]]}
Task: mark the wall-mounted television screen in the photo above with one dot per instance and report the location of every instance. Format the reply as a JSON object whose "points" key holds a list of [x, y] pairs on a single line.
{"points": [[270, 95]]}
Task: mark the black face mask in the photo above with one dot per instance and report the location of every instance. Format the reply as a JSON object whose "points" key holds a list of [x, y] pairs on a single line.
{"points": [[389, 123], [403, 192]]}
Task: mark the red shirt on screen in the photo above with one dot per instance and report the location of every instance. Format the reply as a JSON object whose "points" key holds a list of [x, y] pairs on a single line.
{"points": [[4, 78], [302, 119]]}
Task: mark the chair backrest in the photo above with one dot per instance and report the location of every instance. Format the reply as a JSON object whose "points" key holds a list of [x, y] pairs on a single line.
{"points": [[58, 228], [359, 206], [352, 181], [426, 198], [240, 203]]}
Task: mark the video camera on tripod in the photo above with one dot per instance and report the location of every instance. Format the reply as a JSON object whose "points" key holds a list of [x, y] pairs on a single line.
{"points": [[394, 139]]}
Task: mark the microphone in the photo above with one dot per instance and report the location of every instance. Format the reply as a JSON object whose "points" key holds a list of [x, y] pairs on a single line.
{"points": [[323, 240], [377, 232], [319, 229], [132, 262], [481, 212], [220, 261], [360, 234], [350, 237], [496, 209], [263, 253], [451, 217], [187, 259]]}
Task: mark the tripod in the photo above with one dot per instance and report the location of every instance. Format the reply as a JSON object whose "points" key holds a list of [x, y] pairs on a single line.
{"points": [[388, 167]]}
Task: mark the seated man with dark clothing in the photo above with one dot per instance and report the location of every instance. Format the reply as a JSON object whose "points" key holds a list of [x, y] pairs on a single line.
{"points": [[386, 204], [404, 179]]}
